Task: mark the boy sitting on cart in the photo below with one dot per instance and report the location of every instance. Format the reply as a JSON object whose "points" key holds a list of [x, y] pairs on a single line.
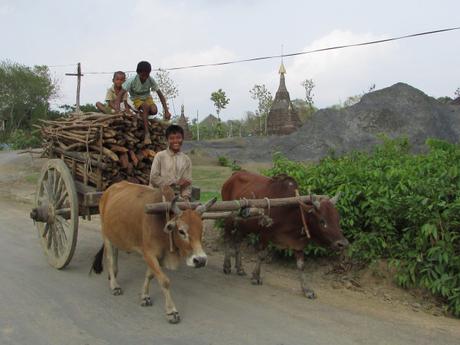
{"points": [[139, 88], [113, 102], [172, 167]]}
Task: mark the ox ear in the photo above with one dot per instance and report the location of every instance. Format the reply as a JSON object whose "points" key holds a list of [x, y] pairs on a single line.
{"points": [[335, 198], [203, 208], [174, 208]]}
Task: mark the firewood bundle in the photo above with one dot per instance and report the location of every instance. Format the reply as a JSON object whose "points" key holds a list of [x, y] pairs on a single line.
{"points": [[103, 149]]}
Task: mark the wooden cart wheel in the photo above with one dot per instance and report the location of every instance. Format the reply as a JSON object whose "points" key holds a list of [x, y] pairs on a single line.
{"points": [[56, 201]]}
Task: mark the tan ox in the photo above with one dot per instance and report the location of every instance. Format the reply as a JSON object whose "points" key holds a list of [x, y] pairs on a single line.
{"points": [[127, 227]]}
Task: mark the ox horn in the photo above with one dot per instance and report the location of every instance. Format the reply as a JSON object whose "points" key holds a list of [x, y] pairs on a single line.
{"points": [[315, 202], [335, 198], [174, 208], [203, 208]]}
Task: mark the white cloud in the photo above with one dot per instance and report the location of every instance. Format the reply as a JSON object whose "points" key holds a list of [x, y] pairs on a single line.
{"points": [[5, 9], [341, 73]]}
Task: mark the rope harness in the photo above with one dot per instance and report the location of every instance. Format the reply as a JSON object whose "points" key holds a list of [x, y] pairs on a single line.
{"points": [[170, 233], [304, 230]]}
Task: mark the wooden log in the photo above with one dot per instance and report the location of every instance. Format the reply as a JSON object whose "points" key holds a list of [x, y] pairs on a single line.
{"points": [[124, 160], [149, 153], [106, 152], [80, 156], [133, 157], [251, 212], [118, 148], [233, 204]]}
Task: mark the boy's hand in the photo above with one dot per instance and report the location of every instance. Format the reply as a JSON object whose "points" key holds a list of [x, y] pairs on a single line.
{"points": [[167, 115], [183, 182]]}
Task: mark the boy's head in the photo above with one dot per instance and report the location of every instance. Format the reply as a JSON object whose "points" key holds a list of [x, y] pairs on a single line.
{"points": [[175, 136], [143, 70], [119, 78]]}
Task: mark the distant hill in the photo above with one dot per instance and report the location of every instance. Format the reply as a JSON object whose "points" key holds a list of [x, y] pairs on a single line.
{"points": [[398, 110]]}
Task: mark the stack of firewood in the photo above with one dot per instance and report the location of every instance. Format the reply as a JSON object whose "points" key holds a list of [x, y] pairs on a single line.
{"points": [[114, 144]]}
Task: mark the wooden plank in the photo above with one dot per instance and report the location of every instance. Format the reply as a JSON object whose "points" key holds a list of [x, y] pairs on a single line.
{"points": [[233, 204], [90, 195], [79, 156], [251, 212]]}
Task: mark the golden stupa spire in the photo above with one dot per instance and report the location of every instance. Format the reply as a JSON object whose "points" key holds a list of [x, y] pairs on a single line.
{"points": [[282, 68]]}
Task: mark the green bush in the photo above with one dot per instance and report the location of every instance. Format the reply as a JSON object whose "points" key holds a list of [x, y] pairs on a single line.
{"points": [[223, 161], [398, 206], [235, 166], [21, 139]]}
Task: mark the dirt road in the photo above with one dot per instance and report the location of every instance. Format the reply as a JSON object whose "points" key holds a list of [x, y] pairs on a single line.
{"points": [[40, 305]]}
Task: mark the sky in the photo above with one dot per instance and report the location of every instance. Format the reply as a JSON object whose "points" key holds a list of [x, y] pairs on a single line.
{"points": [[115, 35]]}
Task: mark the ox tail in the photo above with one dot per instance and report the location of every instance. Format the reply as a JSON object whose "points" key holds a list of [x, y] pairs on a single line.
{"points": [[97, 263]]}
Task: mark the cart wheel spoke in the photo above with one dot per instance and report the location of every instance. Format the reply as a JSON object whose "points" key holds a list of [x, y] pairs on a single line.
{"points": [[58, 235], [49, 187], [56, 179], [55, 241], [46, 191], [45, 230], [64, 212], [61, 228], [59, 240], [61, 199], [49, 238]]}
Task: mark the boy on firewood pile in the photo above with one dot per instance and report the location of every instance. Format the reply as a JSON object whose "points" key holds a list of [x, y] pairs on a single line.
{"points": [[172, 167], [139, 88], [113, 104]]}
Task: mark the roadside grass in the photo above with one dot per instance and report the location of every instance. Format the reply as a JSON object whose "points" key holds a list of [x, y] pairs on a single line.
{"points": [[32, 178], [210, 179]]}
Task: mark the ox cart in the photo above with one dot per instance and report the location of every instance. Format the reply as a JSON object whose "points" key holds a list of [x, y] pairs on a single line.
{"points": [[89, 153], [61, 199]]}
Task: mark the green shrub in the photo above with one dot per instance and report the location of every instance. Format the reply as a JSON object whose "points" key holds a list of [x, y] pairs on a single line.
{"points": [[398, 206], [21, 139], [223, 161], [235, 166]]}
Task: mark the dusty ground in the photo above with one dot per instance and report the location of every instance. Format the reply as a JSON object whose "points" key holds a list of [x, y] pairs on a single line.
{"points": [[368, 293]]}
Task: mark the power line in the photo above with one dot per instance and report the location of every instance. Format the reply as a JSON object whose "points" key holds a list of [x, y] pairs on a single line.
{"points": [[57, 66], [223, 63]]}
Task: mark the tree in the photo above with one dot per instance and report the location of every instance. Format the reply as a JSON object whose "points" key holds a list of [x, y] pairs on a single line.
{"points": [[308, 85], [25, 94], [166, 85], [352, 100], [265, 100], [251, 124], [220, 101], [457, 92], [304, 110]]}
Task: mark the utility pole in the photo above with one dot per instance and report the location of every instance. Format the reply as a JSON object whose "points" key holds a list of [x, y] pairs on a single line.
{"points": [[197, 127], [78, 75]]}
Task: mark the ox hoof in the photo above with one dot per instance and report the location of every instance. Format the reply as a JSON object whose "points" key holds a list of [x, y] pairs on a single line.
{"points": [[310, 294], [227, 270], [240, 272], [173, 317], [256, 281], [146, 302], [117, 291]]}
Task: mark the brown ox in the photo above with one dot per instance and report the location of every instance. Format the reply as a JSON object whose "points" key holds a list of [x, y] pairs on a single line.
{"points": [[127, 227], [287, 230]]}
